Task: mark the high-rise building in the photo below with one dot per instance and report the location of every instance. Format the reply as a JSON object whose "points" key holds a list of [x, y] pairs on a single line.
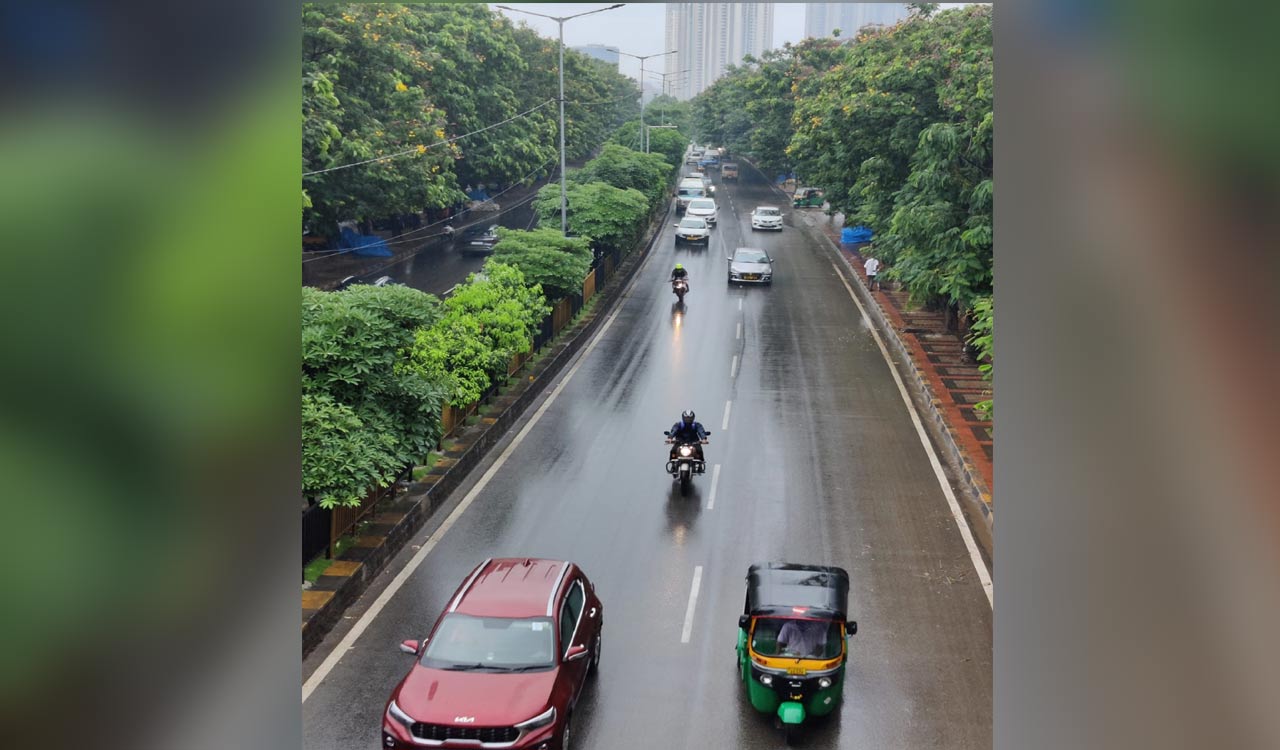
{"points": [[599, 52], [820, 19], [709, 37]]}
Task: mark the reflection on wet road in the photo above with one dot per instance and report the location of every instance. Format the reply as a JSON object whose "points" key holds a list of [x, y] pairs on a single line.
{"points": [[813, 458]]}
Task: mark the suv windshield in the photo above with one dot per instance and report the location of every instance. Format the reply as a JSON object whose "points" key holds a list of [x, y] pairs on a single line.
{"points": [[464, 642], [807, 639]]}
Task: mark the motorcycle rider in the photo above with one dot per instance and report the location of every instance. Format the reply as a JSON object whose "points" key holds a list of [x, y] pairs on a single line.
{"points": [[679, 272], [687, 430]]}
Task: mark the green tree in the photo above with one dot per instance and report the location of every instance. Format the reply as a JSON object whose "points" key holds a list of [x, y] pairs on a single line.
{"points": [[982, 339], [611, 218], [624, 168], [555, 263], [366, 414]]}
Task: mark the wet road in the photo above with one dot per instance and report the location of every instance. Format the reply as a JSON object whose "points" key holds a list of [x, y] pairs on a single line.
{"points": [[818, 462], [438, 268]]}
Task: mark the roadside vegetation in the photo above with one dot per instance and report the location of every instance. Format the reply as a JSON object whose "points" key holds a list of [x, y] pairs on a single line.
{"points": [[896, 126]]}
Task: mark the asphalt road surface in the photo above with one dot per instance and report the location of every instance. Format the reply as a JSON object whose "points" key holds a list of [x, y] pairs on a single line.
{"points": [[813, 458]]}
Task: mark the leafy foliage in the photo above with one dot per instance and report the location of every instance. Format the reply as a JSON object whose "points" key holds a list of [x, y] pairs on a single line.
{"points": [[486, 322], [611, 218], [624, 168], [670, 144], [384, 79], [982, 338], [366, 415], [555, 263]]}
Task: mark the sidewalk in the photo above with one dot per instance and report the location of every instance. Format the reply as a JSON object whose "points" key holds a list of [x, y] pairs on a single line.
{"points": [[950, 378]]}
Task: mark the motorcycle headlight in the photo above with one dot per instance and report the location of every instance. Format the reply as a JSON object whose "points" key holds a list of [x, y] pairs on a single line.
{"points": [[766, 680], [824, 682], [400, 716], [541, 720], [686, 451]]}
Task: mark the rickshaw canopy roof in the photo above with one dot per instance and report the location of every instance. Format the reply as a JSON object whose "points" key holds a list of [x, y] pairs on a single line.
{"points": [[777, 588]]}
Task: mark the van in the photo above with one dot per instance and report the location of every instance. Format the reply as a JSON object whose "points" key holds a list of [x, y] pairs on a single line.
{"points": [[687, 192], [729, 171]]}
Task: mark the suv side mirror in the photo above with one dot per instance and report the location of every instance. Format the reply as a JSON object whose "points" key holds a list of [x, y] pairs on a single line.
{"points": [[409, 647], [851, 627], [575, 653], [744, 621]]}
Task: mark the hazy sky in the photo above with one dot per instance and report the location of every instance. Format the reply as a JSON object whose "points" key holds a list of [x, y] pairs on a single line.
{"points": [[638, 28]]}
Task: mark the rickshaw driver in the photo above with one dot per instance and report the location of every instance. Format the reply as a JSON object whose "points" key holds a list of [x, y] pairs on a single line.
{"points": [[804, 638]]}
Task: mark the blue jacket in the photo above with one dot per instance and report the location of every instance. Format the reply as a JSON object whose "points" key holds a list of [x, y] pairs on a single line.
{"points": [[690, 434]]}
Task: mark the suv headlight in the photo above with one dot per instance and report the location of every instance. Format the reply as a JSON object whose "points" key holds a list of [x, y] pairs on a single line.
{"points": [[539, 721], [400, 716]]}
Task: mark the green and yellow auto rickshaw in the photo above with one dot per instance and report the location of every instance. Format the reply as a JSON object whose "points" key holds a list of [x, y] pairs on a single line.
{"points": [[792, 640], [808, 197]]}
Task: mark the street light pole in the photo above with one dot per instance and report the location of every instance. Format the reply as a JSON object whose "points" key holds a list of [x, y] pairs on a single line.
{"points": [[564, 196], [644, 130]]}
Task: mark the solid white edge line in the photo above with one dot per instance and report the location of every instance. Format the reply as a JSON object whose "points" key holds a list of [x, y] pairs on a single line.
{"points": [[956, 513], [715, 480], [693, 603], [728, 405], [733, 367], [348, 641]]}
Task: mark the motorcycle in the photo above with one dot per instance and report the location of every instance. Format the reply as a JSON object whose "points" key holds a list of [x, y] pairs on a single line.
{"points": [[680, 287], [686, 460]]}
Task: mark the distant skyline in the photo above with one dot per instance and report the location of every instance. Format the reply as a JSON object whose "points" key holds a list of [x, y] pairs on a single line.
{"points": [[638, 28]]}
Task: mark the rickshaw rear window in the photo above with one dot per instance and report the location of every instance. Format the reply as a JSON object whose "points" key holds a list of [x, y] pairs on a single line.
{"points": [[808, 639]]}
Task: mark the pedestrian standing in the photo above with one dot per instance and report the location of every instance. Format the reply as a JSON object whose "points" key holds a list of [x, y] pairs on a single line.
{"points": [[872, 267]]}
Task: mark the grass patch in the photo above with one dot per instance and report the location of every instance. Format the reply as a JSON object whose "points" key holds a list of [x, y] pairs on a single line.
{"points": [[312, 571]]}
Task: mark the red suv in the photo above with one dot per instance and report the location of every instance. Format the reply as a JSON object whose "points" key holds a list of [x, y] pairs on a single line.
{"points": [[505, 663]]}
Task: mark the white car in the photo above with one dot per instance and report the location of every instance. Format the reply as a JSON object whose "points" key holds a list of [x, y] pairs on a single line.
{"points": [[693, 231], [703, 208], [766, 217]]}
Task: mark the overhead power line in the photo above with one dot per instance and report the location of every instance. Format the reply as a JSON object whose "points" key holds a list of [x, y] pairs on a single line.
{"points": [[420, 149]]}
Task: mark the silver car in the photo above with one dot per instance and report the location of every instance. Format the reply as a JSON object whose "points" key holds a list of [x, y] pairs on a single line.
{"points": [[703, 208], [750, 265], [693, 230], [766, 217]]}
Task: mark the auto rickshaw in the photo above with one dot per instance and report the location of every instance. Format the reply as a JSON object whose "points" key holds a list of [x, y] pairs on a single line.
{"points": [[792, 640], [808, 197]]}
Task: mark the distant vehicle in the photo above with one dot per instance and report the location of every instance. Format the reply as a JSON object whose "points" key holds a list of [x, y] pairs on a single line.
{"points": [[694, 156], [347, 283], [703, 208], [386, 281], [690, 189], [766, 217], [729, 171], [505, 663], [709, 162], [693, 230], [478, 239], [750, 264], [808, 197]]}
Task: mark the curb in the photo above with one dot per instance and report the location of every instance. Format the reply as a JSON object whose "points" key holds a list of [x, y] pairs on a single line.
{"points": [[331, 595], [974, 495]]}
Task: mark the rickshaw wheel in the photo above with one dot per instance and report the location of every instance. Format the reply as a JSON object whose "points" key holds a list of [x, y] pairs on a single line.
{"points": [[792, 733]]}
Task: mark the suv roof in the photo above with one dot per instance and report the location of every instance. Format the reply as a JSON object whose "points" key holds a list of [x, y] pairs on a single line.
{"points": [[511, 587]]}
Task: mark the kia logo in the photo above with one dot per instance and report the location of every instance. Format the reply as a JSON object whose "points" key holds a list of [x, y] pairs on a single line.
{"points": [[464, 719]]}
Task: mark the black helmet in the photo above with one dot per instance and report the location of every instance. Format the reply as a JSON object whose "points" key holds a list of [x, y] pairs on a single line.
{"points": [[687, 417]]}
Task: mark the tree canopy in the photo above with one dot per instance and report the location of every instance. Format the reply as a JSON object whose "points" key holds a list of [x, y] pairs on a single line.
{"points": [[557, 264]]}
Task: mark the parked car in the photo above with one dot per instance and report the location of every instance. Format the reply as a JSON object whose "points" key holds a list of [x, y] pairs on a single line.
{"points": [[693, 230], [750, 264], [766, 217], [729, 171], [703, 208], [505, 663], [477, 239]]}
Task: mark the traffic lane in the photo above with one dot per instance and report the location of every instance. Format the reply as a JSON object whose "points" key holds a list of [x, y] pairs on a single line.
{"points": [[580, 487], [812, 376]]}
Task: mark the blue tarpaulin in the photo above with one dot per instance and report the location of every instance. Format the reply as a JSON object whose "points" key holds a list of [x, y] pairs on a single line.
{"points": [[479, 194], [854, 235], [364, 244]]}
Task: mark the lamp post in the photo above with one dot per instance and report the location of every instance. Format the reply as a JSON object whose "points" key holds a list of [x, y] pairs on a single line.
{"points": [[664, 86], [564, 200], [642, 58]]}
